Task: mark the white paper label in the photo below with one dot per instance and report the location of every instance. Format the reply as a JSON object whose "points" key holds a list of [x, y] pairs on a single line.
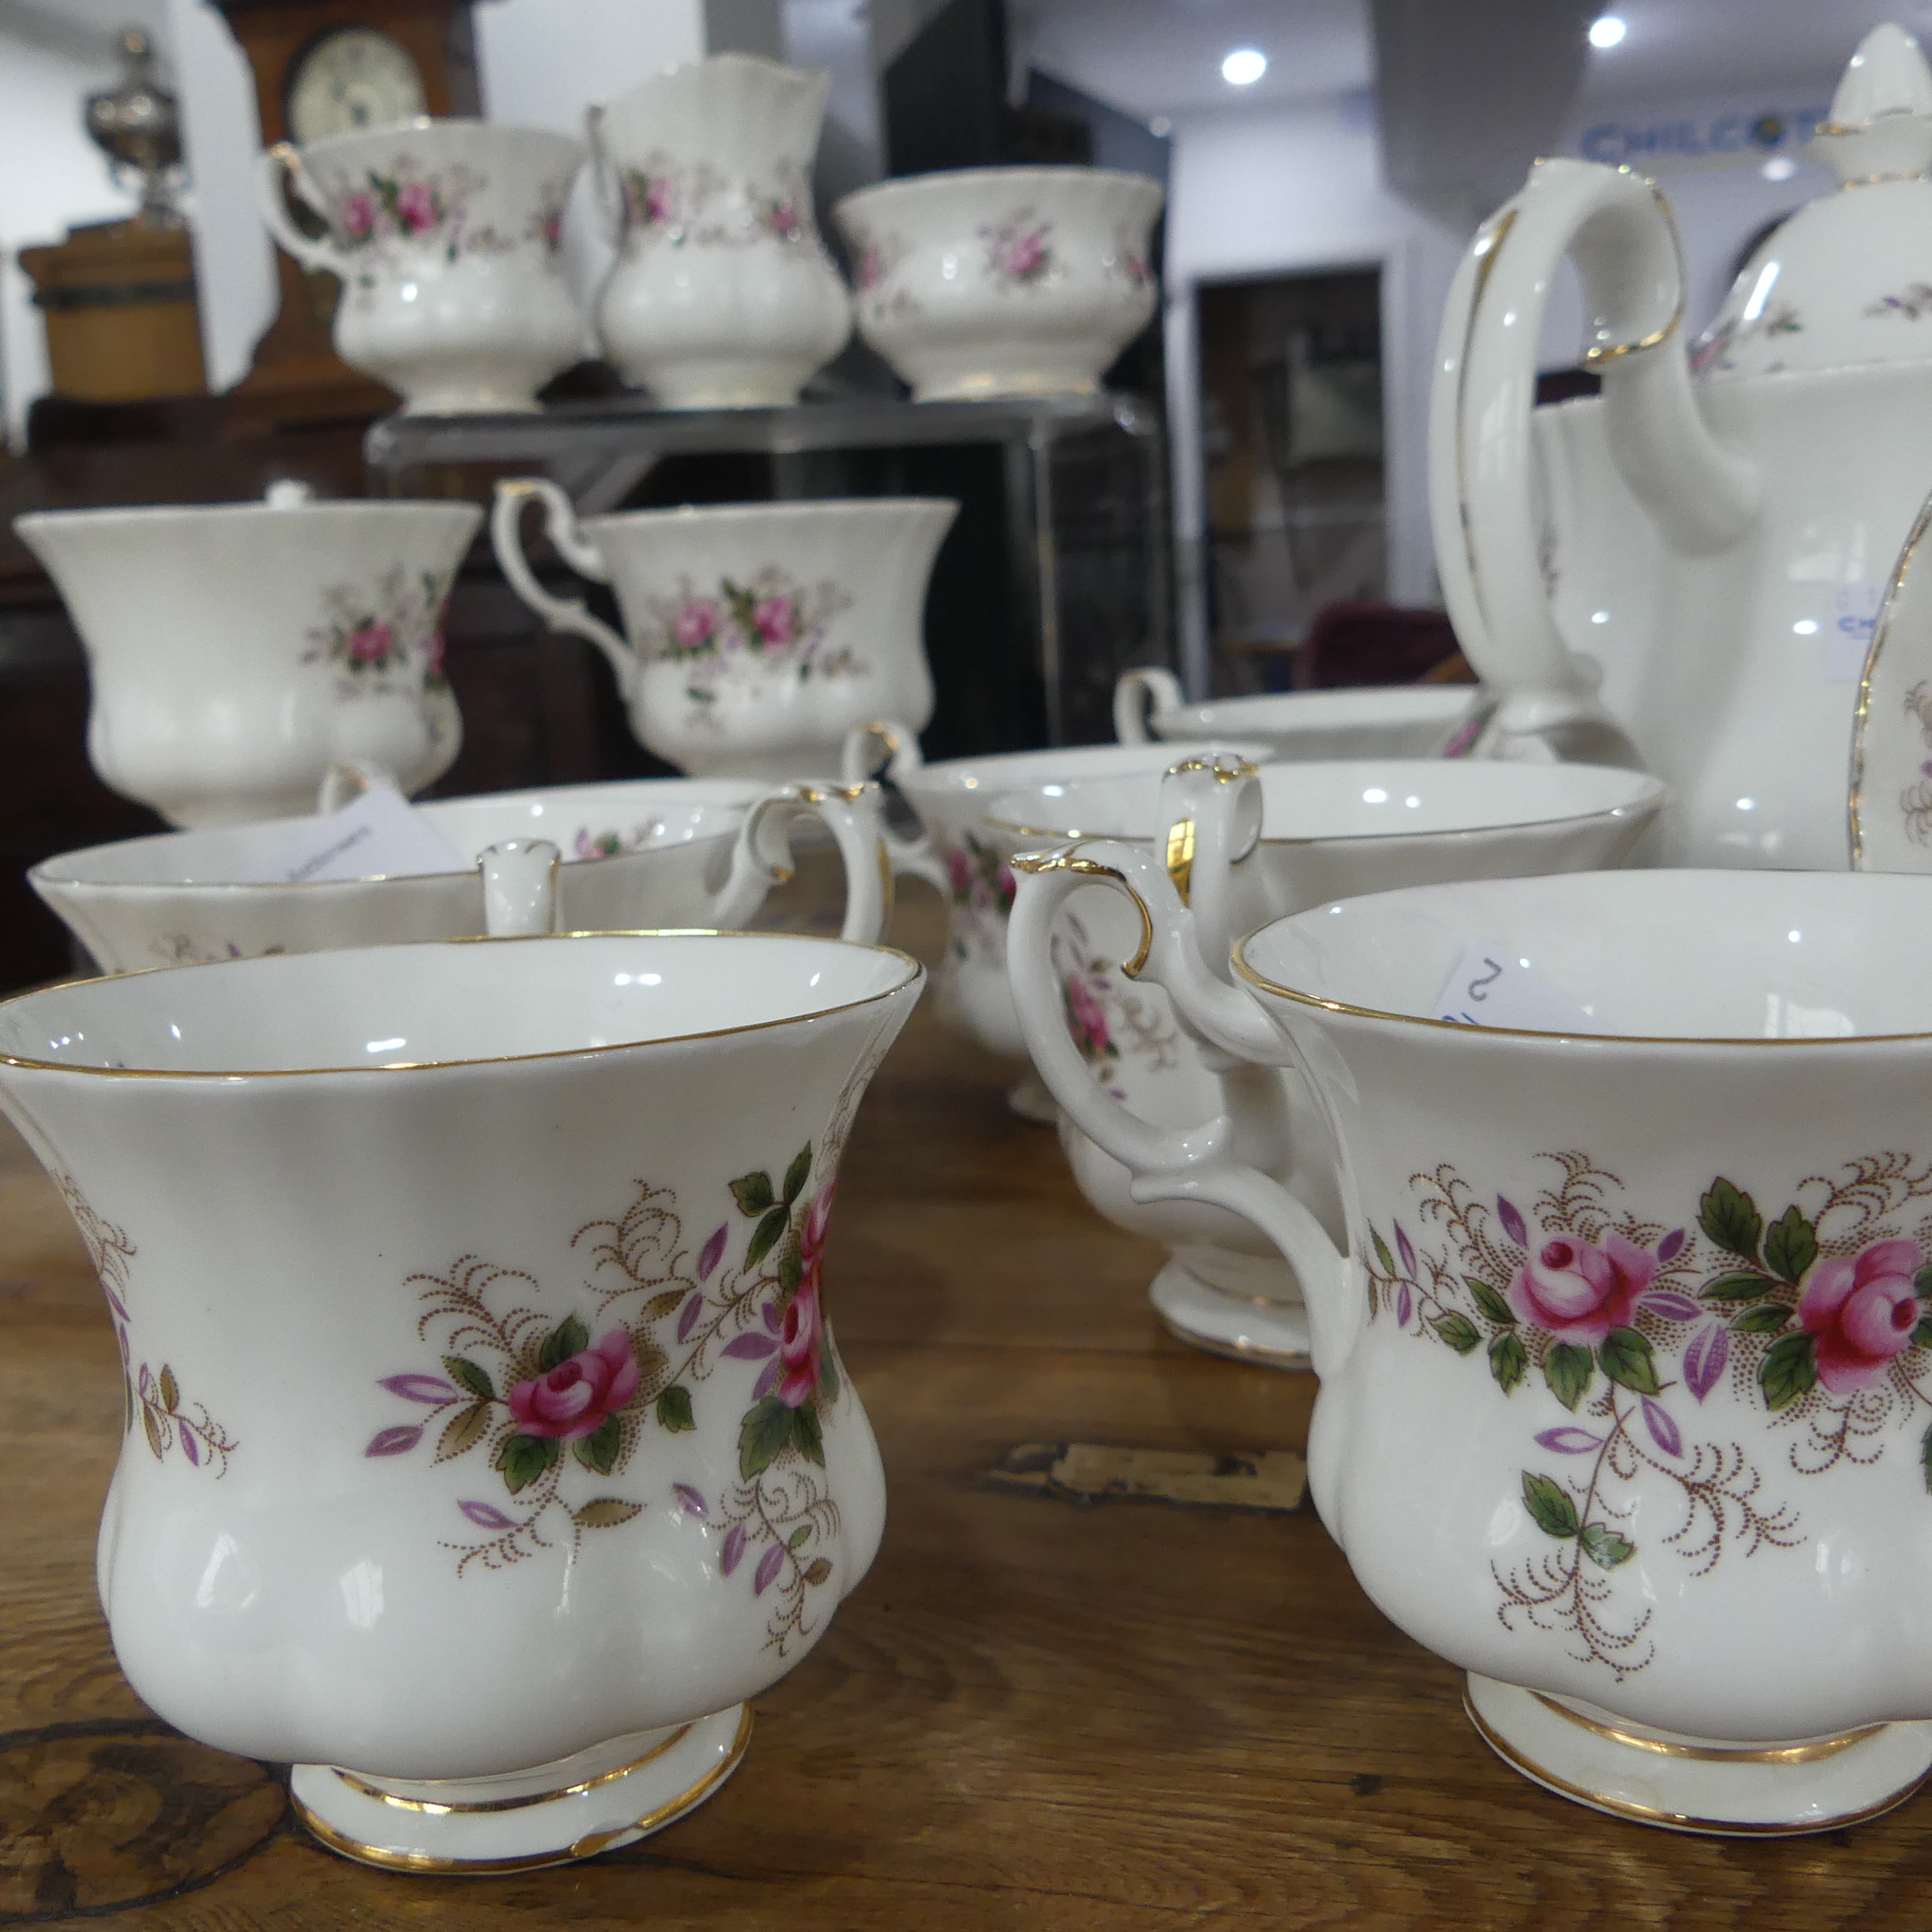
{"points": [[378, 833], [1491, 986], [1855, 616]]}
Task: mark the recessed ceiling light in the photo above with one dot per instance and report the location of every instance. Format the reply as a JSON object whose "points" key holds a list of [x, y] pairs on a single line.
{"points": [[1243, 67], [1606, 31], [1160, 125], [1780, 167]]}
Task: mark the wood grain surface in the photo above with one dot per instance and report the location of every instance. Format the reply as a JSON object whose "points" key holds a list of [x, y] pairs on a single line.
{"points": [[1039, 1710]]}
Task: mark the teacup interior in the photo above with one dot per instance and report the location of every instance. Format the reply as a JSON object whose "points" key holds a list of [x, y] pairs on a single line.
{"points": [[1359, 798], [452, 1000], [1007, 771], [1653, 955]]}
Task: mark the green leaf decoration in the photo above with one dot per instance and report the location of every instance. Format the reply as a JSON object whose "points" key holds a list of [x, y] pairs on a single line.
{"points": [[523, 1458], [660, 1305], [1791, 1245], [1490, 1302], [1925, 1458], [1790, 1367], [606, 1513], [765, 1236], [798, 1173], [1507, 1361], [1382, 1252], [1767, 1318], [799, 1536], [569, 1338], [1922, 1281], [1730, 1217], [753, 1193], [170, 1390], [467, 1374], [805, 1433], [153, 1429], [1567, 1369], [817, 1571], [1921, 1335], [764, 1432], [462, 1430], [791, 1266], [828, 1373], [674, 1411], [1604, 1547], [598, 1451], [1459, 1331], [1549, 1505], [1627, 1360], [1735, 1288]]}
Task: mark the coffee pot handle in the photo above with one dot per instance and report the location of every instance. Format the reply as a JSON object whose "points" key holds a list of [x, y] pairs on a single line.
{"points": [[761, 859], [1214, 1161], [519, 888], [312, 251], [880, 749], [1148, 690], [560, 526]]}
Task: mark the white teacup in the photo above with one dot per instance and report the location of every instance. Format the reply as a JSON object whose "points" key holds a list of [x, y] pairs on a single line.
{"points": [[755, 635], [1383, 720], [1626, 1356], [965, 858], [1246, 847], [1003, 281], [447, 236], [235, 652], [663, 852], [487, 1447]]}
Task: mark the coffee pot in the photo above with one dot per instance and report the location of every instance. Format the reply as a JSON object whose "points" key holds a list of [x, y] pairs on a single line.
{"points": [[1683, 571]]}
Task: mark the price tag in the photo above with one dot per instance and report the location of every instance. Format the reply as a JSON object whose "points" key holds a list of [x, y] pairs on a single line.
{"points": [[378, 833], [1492, 986]]}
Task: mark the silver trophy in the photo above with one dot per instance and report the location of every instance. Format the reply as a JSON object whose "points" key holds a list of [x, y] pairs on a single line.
{"points": [[137, 126]]}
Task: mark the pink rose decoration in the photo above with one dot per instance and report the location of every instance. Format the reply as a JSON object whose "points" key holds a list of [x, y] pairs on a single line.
{"points": [[358, 216], [872, 267], [1579, 1292], [1861, 1313], [416, 206], [371, 643], [577, 1397], [775, 619], [657, 206], [697, 623], [433, 653], [1086, 1017], [784, 220], [959, 869], [1027, 256], [802, 1328]]}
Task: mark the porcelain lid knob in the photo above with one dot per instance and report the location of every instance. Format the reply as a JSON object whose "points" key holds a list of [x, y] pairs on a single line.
{"points": [[1881, 124]]}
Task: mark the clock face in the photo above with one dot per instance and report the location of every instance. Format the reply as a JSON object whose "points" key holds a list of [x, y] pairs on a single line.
{"points": [[355, 77]]}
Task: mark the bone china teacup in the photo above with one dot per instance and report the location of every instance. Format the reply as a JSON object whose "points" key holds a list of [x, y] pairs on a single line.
{"points": [[648, 851], [487, 1447], [1323, 828], [1624, 1374]]}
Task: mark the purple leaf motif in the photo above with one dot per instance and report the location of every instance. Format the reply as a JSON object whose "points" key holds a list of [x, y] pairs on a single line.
{"points": [[1512, 1222], [713, 1254], [189, 1449], [1663, 1430], [750, 1347], [768, 1378], [115, 1302], [1403, 1249], [422, 1388], [1673, 1307], [1569, 1441], [1404, 1307], [1706, 1358], [487, 1517], [398, 1441], [1672, 1245], [688, 1320], [773, 1320], [693, 1503], [734, 1549], [768, 1566]]}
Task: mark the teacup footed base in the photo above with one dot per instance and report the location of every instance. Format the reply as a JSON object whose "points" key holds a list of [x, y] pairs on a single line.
{"points": [[1682, 1784], [1246, 1328], [611, 1795]]}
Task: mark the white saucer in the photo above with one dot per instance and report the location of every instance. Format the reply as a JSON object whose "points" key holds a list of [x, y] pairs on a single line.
{"points": [[1688, 1784], [611, 1795], [1249, 1328]]}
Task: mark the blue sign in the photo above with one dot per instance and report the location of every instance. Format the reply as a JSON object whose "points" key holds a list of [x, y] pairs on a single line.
{"points": [[1769, 132]]}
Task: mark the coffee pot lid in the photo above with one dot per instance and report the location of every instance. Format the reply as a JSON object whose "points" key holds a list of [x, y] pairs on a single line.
{"points": [[1848, 280]]}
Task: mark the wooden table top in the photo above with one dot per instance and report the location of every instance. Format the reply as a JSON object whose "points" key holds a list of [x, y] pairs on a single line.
{"points": [[1038, 1711]]}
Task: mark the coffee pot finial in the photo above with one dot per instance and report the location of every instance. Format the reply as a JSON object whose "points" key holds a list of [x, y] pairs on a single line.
{"points": [[1881, 124]]}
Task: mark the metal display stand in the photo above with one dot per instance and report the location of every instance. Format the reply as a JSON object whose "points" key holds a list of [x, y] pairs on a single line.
{"points": [[1076, 540]]}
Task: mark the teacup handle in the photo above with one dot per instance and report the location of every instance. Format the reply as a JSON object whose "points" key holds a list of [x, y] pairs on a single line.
{"points": [[1210, 820], [561, 524], [1213, 1160], [882, 748], [311, 251], [761, 859], [1137, 694], [519, 888]]}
